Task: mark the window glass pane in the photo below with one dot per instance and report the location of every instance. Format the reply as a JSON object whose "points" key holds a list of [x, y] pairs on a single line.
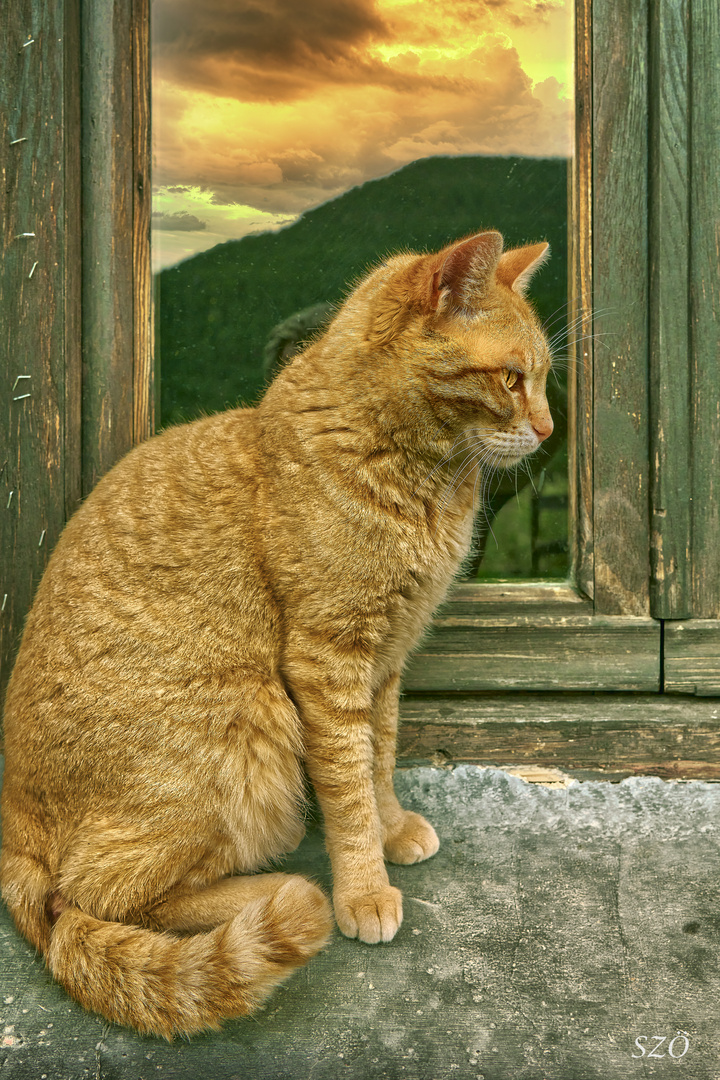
{"points": [[295, 145]]}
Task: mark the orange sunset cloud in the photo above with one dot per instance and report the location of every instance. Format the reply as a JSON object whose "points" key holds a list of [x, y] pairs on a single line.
{"points": [[264, 108]]}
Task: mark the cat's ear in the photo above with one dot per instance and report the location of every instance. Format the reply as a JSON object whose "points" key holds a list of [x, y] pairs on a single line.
{"points": [[466, 270], [516, 267]]}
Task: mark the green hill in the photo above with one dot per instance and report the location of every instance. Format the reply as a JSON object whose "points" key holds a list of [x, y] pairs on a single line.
{"points": [[217, 309]]}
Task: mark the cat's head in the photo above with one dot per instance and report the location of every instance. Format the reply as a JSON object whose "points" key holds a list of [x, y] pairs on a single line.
{"points": [[457, 329]]}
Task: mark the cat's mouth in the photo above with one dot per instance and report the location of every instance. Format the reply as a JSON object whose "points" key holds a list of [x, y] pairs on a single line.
{"points": [[508, 461], [505, 455]]}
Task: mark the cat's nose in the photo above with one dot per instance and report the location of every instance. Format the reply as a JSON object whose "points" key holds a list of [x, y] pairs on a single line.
{"points": [[542, 426]]}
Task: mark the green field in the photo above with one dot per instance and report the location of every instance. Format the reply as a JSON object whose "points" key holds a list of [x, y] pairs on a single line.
{"points": [[217, 310]]}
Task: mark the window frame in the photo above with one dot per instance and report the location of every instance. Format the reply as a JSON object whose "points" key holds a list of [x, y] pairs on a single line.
{"points": [[644, 423]]}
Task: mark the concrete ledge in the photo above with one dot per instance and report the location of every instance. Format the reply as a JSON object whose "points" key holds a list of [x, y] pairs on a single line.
{"points": [[558, 934]]}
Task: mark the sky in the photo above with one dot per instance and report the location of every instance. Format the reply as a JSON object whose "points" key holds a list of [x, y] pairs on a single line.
{"points": [[265, 108]]}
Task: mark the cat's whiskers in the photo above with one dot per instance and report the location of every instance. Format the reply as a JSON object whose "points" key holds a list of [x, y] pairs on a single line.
{"points": [[476, 446], [577, 341], [566, 328], [485, 500], [525, 466], [582, 314], [454, 484], [483, 456], [447, 499], [487, 478], [488, 475], [567, 336], [466, 439]]}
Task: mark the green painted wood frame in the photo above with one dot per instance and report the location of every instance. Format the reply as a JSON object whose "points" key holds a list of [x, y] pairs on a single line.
{"points": [[641, 610]]}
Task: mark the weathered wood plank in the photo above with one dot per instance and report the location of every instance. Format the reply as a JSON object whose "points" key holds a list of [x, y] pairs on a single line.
{"points": [[34, 304], [537, 652], [107, 191], [692, 657], [580, 382], [143, 305], [705, 304], [76, 296], [669, 371], [620, 294], [613, 709], [73, 259], [613, 735], [515, 598]]}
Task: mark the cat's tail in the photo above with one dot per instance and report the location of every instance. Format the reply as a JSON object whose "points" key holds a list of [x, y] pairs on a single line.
{"points": [[164, 984]]}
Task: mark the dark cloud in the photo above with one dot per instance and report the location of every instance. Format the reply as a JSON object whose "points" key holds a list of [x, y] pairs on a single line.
{"points": [[277, 50], [179, 222], [265, 49], [276, 30]]}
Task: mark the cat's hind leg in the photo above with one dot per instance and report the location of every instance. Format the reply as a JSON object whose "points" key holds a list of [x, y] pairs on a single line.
{"points": [[193, 910]]}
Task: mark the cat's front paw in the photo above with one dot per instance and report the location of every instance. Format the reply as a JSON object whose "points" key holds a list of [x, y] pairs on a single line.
{"points": [[411, 840], [372, 917]]}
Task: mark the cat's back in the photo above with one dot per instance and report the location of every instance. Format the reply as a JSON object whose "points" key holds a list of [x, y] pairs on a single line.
{"points": [[168, 509], [148, 588]]}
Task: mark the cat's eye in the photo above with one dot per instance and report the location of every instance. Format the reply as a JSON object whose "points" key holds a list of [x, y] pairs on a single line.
{"points": [[511, 377]]}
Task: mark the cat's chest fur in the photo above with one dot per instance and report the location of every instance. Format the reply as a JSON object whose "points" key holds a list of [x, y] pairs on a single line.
{"points": [[355, 552]]}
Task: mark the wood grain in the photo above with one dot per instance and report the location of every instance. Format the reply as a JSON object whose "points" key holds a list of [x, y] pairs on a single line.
{"points": [[36, 304], [692, 657], [73, 258], [521, 598], [580, 383], [75, 297], [620, 297], [669, 369], [705, 305], [144, 388], [612, 735], [107, 192], [537, 652]]}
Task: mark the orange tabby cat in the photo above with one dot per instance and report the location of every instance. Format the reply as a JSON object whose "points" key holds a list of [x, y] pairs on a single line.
{"points": [[237, 599]]}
